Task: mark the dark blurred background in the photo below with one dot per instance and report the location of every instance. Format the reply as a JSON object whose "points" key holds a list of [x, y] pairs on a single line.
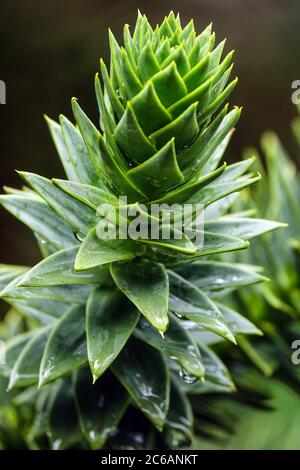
{"points": [[50, 52]]}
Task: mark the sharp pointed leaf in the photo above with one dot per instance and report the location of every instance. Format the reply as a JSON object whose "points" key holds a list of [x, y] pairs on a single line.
{"points": [[109, 324], [190, 302], [14, 347], [100, 406], [169, 85], [89, 195], [149, 111], [143, 372], [179, 423], [187, 191], [213, 192], [96, 252], [217, 376], [237, 323], [184, 129], [26, 369], [74, 294], [59, 269], [147, 63], [159, 173], [63, 429], [131, 138], [40, 218], [81, 160], [214, 275], [176, 344], [9, 273], [62, 149], [66, 346], [72, 211], [245, 228], [142, 282]]}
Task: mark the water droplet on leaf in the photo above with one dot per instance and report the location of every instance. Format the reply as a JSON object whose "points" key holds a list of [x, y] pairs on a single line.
{"points": [[187, 376], [79, 236]]}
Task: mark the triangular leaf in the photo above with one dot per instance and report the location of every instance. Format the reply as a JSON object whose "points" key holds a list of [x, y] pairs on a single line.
{"points": [[66, 346], [95, 252], [109, 324], [145, 283], [100, 406], [26, 369], [59, 269], [190, 302], [143, 372], [214, 275], [176, 344]]}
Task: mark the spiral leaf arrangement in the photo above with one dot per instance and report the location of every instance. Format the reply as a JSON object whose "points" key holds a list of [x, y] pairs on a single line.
{"points": [[119, 329]]}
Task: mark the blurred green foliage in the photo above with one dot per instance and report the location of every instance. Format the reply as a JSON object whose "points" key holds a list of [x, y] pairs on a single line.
{"points": [[50, 51]]}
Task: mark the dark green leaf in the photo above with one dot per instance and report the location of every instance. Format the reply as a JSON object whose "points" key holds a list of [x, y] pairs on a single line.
{"points": [[185, 192], [159, 173], [62, 149], [8, 273], [26, 369], [179, 423], [217, 376], [190, 302], [206, 143], [131, 139], [143, 372], [64, 430], [74, 294], [90, 135], [196, 95], [237, 323], [195, 75], [216, 275], [109, 324], [145, 283], [100, 406], [59, 269], [177, 344], [95, 252], [147, 63], [184, 129], [81, 160], [40, 218], [113, 98], [72, 211], [66, 346], [214, 106], [245, 228], [169, 85], [92, 196], [149, 112]]}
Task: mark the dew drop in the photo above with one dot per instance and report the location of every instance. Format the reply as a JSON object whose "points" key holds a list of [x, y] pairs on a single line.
{"points": [[187, 377], [161, 334], [79, 236], [178, 315]]}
